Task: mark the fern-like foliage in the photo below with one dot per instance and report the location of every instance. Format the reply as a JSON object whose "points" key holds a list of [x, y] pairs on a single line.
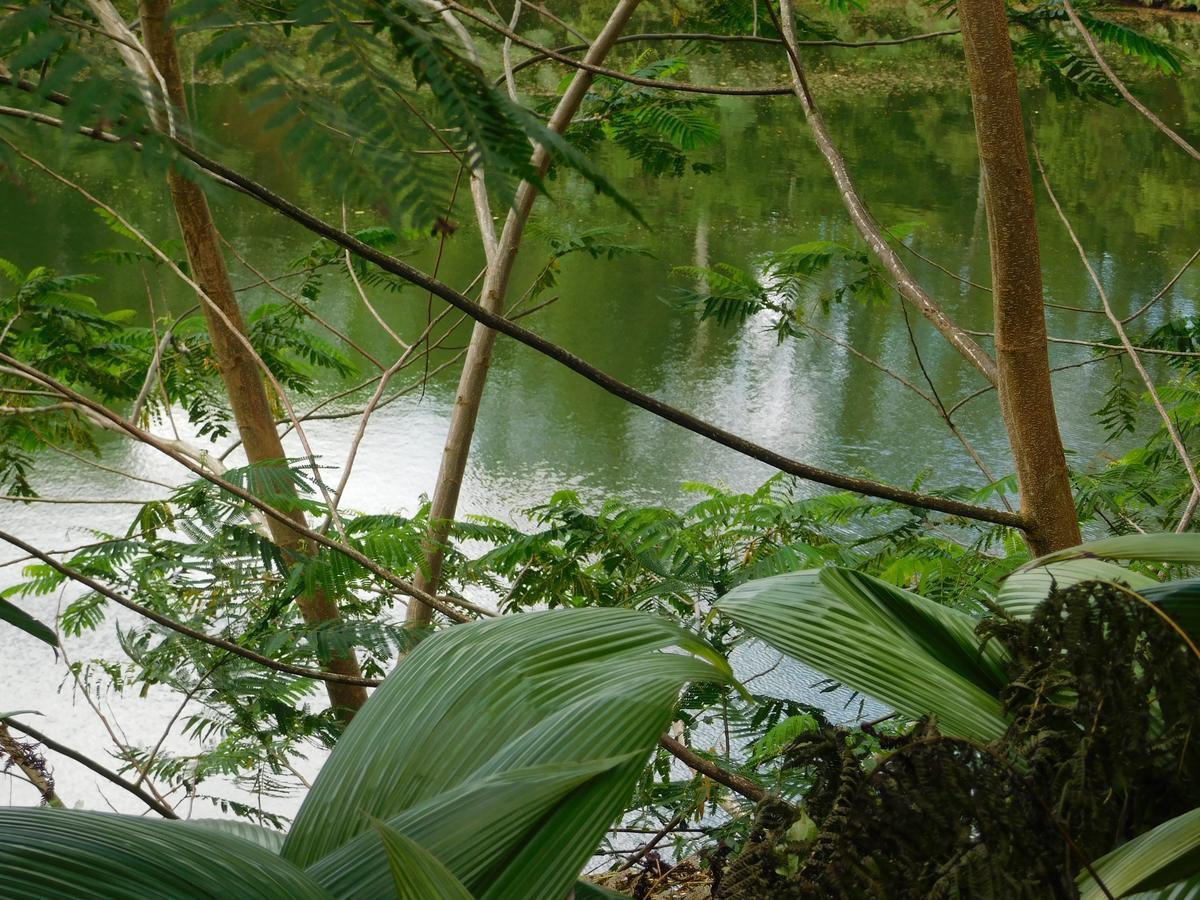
{"points": [[788, 286], [660, 131], [394, 109]]}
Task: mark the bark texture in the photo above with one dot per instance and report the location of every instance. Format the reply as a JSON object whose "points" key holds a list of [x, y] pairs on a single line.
{"points": [[239, 369], [1022, 358], [483, 339]]}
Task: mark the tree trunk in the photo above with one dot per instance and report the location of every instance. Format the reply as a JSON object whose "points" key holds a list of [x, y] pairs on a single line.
{"points": [[479, 351], [238, 367], [1022, 359]]}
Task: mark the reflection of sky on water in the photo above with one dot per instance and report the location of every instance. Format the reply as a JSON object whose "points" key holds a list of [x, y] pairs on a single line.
{"points": [[542, 428]]}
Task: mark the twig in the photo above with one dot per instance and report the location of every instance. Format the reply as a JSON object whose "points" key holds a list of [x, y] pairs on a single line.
{"points": [[1172, 431], [1166, 287], [270, 284], [1120, 85], [161, 808], [653, 842]]}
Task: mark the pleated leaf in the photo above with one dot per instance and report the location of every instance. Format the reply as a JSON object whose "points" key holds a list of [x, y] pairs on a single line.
{"points": [[1152, 862], [1024, 590], [1188, 889], [1171, 548], [100, 856], [504, 748], [1180, 600], [416, 872], [908, 652], [267, 838]]}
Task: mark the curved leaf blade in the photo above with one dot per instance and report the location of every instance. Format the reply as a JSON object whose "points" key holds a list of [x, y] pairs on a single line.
{"points": [[1170, 548], [908, 652], [1151, 861], [1024, 590], [544, 720], [417, 873], [73, 853], [23, 621]]}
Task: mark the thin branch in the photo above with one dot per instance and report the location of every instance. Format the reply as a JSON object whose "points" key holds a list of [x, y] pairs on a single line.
{"points": [[270, 284], [1168, 422], [1166, 287], [612, 385], [653, 842], [990, 387], [864, 222], [701, 37], [123, 425], [42, 119], [160, 348], [683, 87], [162, 809], [1120, 85], [186, 630], [940, 407], [216, 309]]}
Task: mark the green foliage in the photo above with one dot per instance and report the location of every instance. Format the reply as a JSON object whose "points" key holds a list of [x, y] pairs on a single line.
{"points": [[791, 285], [1098, 694], [481, 805], [657, 130]]}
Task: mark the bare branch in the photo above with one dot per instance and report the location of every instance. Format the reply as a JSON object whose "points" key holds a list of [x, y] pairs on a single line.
{"points": [[1120, 85], [1168, 422], [161, 808]]}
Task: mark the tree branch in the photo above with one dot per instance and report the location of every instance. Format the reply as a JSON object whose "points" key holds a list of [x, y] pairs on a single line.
{"points": [[694, 761], [161, 808], [596, 376]]}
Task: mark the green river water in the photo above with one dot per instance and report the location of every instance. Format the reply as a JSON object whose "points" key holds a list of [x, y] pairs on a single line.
{"points": [[1131, 194]]}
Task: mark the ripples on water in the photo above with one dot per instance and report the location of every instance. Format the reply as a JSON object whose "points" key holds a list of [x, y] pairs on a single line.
{"points": [[542, 428]]}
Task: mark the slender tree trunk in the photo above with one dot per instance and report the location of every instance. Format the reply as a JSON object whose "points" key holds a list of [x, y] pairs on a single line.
{"points": [[483, 339], [1022, 359], [239, 369]]}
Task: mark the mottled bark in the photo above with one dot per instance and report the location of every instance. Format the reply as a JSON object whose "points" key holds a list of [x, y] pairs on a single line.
{"points": [[239, 369], [1022, 358]]}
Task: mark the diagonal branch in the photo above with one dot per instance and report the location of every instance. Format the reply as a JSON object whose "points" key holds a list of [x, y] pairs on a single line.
{"points": [[910, 289], [161, 808], [597, 376], [1120, 85]]}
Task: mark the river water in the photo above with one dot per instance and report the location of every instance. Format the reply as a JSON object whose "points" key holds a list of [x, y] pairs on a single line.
{"points": [[1131, 196]]}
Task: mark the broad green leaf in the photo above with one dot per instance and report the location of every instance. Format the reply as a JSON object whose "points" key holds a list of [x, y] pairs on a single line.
{"points": [[469, 829], [1171, 548], [267, 838], [504, 748], [18, 618], [417, 873], [1025, 589], [99, 856], [1151, 861], [908, 652]]}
